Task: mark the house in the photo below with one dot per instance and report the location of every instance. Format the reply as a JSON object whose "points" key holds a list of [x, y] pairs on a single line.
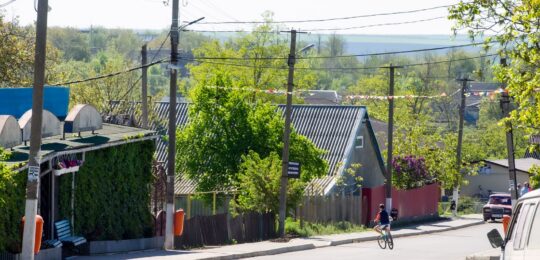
{"points": [[345, 132], [477, 92], [493, 177], [321, 97]]}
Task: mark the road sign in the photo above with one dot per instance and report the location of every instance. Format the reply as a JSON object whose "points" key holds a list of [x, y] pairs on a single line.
{"points": [[534, 139], [293, 170]]}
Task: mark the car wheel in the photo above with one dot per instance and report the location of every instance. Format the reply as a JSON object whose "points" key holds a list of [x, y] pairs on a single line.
{"points": [[486, 219], [493, 219]]}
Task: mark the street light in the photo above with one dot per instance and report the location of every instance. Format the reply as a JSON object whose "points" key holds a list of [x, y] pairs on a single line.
{"points": [[181, 28]]}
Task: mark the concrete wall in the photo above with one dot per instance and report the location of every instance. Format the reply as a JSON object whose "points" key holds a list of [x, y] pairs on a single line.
{"points": [[495, 180]]}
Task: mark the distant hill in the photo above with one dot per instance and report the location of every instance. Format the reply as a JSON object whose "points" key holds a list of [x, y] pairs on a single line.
{"points": [[361, 44]]}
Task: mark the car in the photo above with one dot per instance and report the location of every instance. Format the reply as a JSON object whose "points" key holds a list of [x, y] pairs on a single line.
{"points": [[498, 205], [522, 236]]}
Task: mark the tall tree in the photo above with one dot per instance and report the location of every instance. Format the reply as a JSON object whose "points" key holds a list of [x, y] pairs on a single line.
{"points": [[515, 27]]}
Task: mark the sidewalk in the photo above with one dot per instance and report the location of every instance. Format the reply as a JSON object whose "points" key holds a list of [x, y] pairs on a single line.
{"points": [[272, 248]]}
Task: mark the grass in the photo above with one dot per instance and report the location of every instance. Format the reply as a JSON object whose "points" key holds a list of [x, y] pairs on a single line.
{"points": [[466, 205], [312, 229]]}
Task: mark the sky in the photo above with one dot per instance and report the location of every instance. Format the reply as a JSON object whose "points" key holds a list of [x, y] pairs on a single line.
{"points": [[156, 14]]}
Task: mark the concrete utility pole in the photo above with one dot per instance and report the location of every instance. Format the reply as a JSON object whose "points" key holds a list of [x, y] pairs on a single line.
{"points": [[390, 138], [144, 91], [512, 180], [32, 184], [169, 236], [455, 195], [286, 137]]}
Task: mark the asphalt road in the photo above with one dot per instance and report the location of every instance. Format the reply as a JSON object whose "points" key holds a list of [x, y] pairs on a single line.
{"points": [[451, 245]]}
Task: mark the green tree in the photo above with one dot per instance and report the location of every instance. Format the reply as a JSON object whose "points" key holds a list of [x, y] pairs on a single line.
{"points": [[12, 191], [17, 55], [224, 126], [516, 28]]}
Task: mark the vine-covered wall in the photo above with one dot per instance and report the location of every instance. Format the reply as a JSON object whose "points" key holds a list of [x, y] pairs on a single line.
{"points": [[112, 193], [12, 189]]}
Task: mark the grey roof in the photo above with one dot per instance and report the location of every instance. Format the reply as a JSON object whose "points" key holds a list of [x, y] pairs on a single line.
{"points": [[329, 127], [321, 97], [484, 86], [523, 164]]}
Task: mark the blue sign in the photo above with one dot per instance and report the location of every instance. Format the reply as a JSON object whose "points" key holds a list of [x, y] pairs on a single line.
{"points": [[16, 101]]}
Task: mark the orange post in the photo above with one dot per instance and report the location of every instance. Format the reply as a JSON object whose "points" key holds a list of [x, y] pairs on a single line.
{"points": [[506, 223], [39, 232], [179, 222]]}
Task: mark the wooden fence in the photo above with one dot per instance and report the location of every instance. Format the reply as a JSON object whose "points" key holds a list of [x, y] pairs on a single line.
{"points": [[331, 209], [224, 229]]}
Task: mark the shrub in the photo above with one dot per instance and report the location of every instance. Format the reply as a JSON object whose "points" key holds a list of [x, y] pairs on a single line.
{"points": [[12, 195], [410, 172], [112, 193]]}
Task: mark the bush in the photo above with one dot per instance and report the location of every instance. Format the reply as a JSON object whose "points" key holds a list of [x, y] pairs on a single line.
{"points": [[112, 193], [12, 196], [410, 172]]}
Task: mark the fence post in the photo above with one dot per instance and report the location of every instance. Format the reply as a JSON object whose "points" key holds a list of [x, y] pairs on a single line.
{"points": [[188, 211], [214, 203]]}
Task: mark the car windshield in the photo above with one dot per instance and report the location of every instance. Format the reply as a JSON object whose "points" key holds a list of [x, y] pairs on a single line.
{"points": [[500, 200]]}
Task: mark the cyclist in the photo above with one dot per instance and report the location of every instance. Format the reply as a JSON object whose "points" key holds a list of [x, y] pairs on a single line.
{"points": [[383, 221]]}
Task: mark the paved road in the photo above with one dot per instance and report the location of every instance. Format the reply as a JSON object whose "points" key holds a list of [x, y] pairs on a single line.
{"points": [[451, 245]]}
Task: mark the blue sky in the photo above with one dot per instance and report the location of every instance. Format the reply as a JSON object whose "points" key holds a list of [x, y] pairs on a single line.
{"points": [[154, 14]]}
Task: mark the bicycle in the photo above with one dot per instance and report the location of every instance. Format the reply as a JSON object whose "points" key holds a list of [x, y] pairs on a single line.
{"points": [[386, 239]]}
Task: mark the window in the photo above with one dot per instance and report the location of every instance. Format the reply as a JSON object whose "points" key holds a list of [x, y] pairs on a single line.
{"points": [[520, 230], [359, 142], [534, 234]]}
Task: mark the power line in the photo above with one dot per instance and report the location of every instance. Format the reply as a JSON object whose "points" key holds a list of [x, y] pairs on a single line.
{"points": [[110, 74], [374, 25], [343, 68], [331, 19], [7, 3]]}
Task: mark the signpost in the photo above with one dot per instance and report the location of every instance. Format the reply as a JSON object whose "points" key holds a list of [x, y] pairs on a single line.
{"points": [[293, 170]]}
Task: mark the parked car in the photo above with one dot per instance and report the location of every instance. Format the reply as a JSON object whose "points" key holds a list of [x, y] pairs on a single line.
{"points": [[498, 205], [522, 240]]}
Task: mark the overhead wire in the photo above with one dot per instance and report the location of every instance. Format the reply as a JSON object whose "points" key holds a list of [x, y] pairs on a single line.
{"points": [[7, 3], [332, 19]]}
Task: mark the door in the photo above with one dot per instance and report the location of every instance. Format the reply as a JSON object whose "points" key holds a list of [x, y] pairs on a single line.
{"points": [[519, 231]]}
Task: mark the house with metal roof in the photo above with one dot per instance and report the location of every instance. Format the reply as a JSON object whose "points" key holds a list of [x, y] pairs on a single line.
{"points": [[345, 132], [493, 176]]}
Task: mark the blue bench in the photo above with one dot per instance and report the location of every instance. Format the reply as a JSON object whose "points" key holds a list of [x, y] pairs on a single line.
{"points": [[63, 232], [51, 243]]}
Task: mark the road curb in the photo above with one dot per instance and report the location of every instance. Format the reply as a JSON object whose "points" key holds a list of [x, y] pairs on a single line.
{"points": [[372, 238], [274, 251]]}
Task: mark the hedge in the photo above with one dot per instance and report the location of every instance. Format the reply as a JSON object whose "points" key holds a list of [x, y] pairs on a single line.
{"points": [[12, 198], [112, 193]]}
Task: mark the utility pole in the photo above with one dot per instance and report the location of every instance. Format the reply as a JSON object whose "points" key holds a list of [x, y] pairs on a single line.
{"points": [[32, 184], [505, 106], [169, 236], [286, 137], [144, 92], [390, 139], [455, 196]]}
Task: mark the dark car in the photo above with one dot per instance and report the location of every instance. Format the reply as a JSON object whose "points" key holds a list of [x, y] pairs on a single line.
{"points": [[499, 204]]}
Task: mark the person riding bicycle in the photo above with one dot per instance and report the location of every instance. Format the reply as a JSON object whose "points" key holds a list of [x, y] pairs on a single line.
{"points": [[383, 220]]}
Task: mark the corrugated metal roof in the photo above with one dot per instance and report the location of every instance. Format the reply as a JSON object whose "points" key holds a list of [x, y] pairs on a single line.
{"points": [[329, 127], [522, 164]]}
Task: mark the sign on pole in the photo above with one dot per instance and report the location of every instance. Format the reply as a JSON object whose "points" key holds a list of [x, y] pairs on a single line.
{"points": [[293, 170]]}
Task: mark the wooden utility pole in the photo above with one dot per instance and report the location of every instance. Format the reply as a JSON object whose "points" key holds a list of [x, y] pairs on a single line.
{"points": [[32, 184], [390, 139], [169, 236], [286, 137], [505, 107], [144, 91], [455, 196]]}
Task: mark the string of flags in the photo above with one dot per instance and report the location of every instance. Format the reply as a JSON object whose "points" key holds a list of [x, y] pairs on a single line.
{"points": [[489, 93]]}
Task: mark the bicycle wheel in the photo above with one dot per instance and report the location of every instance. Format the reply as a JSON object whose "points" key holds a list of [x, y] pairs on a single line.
{"points": [[382, 242], [390, 241]]}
